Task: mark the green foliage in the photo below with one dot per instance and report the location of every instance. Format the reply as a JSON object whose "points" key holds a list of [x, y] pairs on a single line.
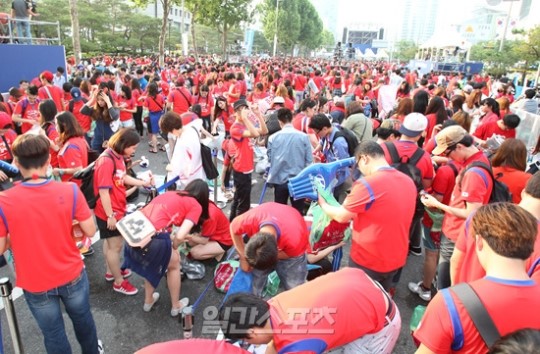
{"points": [[298, 24], [106, 26], [405, 50], [328, 39]]}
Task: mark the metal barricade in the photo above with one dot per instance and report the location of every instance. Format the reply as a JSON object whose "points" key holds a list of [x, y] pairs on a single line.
{"points": [[6, 292], [9, 35]]}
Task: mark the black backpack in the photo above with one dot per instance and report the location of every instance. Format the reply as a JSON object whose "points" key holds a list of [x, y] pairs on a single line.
{"points": [[407, 165], [86, 175], [500, 191], [349, 136]]}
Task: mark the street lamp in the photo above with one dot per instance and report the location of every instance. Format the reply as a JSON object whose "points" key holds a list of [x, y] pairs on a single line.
{"points": [[275, 33]]}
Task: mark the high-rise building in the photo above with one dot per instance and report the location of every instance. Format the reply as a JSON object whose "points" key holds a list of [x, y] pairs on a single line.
{"points": [[419, 18], [177, 15]]}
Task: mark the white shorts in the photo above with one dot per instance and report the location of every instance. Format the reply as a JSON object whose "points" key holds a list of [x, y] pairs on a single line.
{"points": [[382, 342], [127, 123]]}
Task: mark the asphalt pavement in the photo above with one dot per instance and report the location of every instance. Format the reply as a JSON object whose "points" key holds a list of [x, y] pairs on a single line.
{"points": [[124, 327]]}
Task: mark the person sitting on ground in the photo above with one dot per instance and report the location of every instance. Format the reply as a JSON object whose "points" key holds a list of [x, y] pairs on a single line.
{"points": [[355, 316], [505, 127]]}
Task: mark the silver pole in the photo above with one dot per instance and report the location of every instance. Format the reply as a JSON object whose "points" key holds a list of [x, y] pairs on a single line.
{"points": [[5, 292], [506, 25]]}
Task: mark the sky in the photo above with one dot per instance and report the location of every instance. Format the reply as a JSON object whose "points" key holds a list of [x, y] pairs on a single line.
{"points": [[387, 12]]}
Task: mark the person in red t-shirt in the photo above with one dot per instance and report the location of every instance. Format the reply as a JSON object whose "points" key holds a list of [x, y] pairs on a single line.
{"points": [[490, 110], [109, 185], [73, 154], [505, 127], [441, 189], [241, 132], [74, 106], [472, 191], [378, 247], [345, 311], [278, 238], [509, 165], [136, 93], [213, 238], [56, 273], [26, 111], [183, 210], [299, 85], [47, 112], [156, 105], [411, 131], [49, 91], [207, 105], [504, 238], [7, 137], [126, 106], [222, 111], [308, 108], [179, 99]]}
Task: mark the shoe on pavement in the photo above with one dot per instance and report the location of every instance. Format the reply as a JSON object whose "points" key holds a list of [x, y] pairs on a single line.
{"points": [[101, 350], [183, 303], [126, 273], [418, 288], [415, 251], [148, 307], [125, 288]]}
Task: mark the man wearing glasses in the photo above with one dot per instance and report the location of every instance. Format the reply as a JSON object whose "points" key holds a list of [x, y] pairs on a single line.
{"points": [[472, 190]]}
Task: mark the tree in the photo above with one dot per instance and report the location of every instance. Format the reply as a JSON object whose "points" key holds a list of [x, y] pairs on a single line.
{"points": [[406, 50], [311, 26], [76, 39], [327, 39], [226, 15], [288, 22]]}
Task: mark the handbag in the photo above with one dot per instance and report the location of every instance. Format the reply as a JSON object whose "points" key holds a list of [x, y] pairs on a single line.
{"points": [[210, 170], [136, 229]]}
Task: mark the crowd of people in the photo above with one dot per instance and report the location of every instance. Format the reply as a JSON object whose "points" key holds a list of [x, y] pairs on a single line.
{"points": [[438, 173]]}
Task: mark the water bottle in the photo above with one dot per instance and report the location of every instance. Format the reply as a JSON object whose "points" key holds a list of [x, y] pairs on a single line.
{"points": [[9, 169], [187, 322]]}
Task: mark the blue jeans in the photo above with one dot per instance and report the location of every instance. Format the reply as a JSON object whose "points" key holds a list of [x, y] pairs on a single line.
{"points": [[46, 309], [23, 32]]}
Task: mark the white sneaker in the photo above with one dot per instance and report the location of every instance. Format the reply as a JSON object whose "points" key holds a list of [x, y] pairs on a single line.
{"points": [[101, 350], [148, 307], [183, 303], [418, 289]]}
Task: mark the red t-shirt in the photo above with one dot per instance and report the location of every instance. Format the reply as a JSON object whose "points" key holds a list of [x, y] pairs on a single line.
{"points": [[50, 92], [300, 83], [514, 179], [109, 173], [443, 185], [52, 207], [510, 309], [432, 120], [129, 104], [380, 242], [292, 233], [338, 308], [156, 104], [243, 158], [170, 208], [475, 187], [217, 226], [301, 123], [181, 99], [487, 130], [74, 153], [206, 104], [84, 121], [488, 118], [196, 345], [470, 268], [234, 90], [52, 134], [10, 137], [407, 148], [136, 94], [30, 112]]}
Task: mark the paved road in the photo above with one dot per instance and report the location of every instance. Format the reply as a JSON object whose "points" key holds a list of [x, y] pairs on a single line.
{"points": [[124, 327]]}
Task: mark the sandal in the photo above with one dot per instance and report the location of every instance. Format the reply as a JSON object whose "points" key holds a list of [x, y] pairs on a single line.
{"points": [[153, 151], [183, 303]]}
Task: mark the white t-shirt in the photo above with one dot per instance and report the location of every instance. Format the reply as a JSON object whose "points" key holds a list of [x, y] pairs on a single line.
{"points": [[186, 158]]}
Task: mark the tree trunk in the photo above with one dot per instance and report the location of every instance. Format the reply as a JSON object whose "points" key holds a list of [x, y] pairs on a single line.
{"points": [[74, 13], [193, 37], [224, 37], [165, 4]]}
